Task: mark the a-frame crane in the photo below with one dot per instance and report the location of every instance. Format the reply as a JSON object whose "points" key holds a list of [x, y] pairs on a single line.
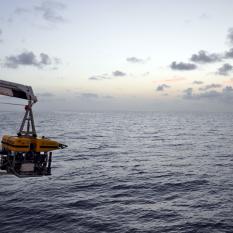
{"points": [[26, 154]]}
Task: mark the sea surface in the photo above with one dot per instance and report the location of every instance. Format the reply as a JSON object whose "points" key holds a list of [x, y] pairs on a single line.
{"points": [[125, 172]]}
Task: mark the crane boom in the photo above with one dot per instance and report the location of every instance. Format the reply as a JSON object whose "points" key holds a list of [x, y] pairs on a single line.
{"points": [[17, 90]]}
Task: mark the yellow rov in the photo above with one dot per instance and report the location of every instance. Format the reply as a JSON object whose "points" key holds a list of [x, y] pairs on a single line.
{"points": [[26, 154]]}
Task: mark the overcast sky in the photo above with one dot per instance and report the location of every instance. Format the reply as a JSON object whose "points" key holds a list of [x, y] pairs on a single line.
{"points": [[159, 55]]}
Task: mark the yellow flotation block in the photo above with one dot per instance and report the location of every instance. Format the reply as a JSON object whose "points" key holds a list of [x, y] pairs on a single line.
{"points": [[29, 143]]}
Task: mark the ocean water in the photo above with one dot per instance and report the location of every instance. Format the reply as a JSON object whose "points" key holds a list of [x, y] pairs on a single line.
{"points": [[126, 172]]}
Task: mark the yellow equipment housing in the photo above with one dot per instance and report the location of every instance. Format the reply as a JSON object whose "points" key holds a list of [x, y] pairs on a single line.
{"points": [[29, 143]]}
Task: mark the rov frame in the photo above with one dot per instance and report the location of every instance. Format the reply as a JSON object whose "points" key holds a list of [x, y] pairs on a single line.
{"points": [[24, 160]]}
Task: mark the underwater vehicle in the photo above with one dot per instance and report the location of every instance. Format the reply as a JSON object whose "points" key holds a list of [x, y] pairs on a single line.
{"points": [[26, 154]]}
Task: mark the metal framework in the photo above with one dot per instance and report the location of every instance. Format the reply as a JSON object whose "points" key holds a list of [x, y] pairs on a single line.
{"points": [[27, 127], [17, 90]]}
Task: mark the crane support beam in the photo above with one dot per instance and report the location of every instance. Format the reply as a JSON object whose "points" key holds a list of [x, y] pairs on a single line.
{"points": [[17, 90]]}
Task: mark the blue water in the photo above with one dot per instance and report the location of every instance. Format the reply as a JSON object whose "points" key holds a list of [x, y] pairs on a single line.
{"points": [[126, 172]]}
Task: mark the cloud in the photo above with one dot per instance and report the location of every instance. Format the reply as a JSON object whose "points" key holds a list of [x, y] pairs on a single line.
{"points": [[204, 16], [229, 54], [205, 57], [188, 93], [226, 95], [118, 73], [99, 77], [0, 35], [57, 60], [210, 86], [182, 66], [197, 82], [45, 59], [89, 95], [145, 74], [162, 87], [50, 11], [45, 94], [230, 35], [108, 97], [208, 95], [20, 10], [95, 78], [27, 59], [105, 76], [225, 69], [136, 60], [228, 89]]}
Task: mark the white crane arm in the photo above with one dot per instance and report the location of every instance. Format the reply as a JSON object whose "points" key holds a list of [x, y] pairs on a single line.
{"points": [[17, 90]]}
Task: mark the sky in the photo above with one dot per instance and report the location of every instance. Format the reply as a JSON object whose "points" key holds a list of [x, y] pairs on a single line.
{"points": [[120, 55]]}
